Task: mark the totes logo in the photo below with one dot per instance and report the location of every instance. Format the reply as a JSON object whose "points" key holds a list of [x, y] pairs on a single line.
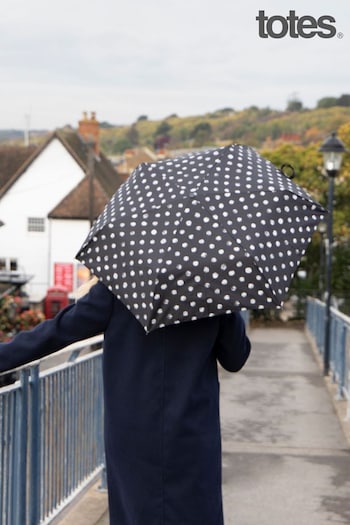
{"points": [[296, 26]]}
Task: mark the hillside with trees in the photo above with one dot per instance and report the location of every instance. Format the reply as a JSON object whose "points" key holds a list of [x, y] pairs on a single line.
{"points": [[258, 127], [254, 126]]}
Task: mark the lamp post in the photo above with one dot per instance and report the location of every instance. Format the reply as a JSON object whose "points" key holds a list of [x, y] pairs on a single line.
{"points": [[332, 149], [322, 230]]}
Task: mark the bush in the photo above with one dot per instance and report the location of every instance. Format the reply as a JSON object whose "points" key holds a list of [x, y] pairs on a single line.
{"points": [[16, 316]]}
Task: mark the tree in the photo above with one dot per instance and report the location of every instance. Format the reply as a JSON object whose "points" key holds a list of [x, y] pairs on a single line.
{"points": [[120, 145], [106, 125], [344, 100], [222, 112], [226, 110], [308, 165], [341, 275], [161, 135], [202, 133], [163, 128], [294, 105], [344, 135], [327, 102], [133, 135]]}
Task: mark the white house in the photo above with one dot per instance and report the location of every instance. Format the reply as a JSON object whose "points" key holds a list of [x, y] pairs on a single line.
{"points": [[48, 205]]}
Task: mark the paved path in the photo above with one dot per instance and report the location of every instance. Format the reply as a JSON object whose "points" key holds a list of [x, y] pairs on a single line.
{"points": [[286, 460], [285, 456]]}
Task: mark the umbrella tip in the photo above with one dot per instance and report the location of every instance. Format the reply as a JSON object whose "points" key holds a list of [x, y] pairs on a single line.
{"points": [[288, 171]]}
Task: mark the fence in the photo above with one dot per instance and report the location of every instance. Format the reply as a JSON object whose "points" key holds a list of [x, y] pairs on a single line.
{"points": [[51, 431], [339, 343]]}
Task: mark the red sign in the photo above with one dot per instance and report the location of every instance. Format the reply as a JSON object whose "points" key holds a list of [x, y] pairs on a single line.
{"points": [[63, 275]]}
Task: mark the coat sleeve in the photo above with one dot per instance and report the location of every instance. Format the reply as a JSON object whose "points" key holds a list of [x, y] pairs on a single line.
{"points": [[89, 316], [232, 344]]}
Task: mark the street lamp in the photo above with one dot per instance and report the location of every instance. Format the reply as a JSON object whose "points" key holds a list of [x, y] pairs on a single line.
{"points": [[332, 149], [322, 230]]}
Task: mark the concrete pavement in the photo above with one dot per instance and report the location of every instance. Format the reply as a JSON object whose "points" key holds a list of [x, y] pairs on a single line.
{"points": [[285, 455], [286, 450]]}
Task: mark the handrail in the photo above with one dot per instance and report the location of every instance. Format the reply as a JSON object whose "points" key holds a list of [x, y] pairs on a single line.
{"points": [[51, 431], [73, 348], [339, 343]]}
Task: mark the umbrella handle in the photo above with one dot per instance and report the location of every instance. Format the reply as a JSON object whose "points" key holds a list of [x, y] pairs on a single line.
{"points": [[289, 175]]}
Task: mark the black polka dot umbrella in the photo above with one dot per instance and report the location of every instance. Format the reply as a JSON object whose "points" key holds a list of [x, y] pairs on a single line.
{"points": [[201, 235]]}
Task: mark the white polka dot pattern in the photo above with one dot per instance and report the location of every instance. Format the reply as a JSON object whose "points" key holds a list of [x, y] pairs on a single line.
{"points": [[201, 235]]}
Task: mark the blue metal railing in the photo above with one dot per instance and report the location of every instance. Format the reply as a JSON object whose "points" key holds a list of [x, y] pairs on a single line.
{"points": [[339, 342], [246, 317], [51, 432]]}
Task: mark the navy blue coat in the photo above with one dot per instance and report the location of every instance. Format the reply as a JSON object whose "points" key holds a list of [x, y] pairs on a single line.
{"points": [[162, 428]]}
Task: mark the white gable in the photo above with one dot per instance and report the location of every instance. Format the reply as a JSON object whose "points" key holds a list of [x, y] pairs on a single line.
{"points": [[48, 179]]}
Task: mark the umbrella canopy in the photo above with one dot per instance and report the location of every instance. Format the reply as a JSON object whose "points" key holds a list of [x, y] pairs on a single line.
{"points": [[202, 235]]}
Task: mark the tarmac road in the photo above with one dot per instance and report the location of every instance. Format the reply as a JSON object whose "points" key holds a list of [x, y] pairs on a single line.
{"points": [[286, 457]]}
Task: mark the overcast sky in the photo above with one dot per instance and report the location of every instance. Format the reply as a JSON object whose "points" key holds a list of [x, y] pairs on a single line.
{"points": [[128, 58]]}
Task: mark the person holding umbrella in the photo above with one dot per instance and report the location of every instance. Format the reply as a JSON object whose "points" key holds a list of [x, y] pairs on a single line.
{"points": [[181, 247], [162, 426]]}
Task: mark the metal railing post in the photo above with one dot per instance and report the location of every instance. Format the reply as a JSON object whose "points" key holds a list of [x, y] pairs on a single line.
{"points": [[20, 450], [338, 344], [35, 437]]}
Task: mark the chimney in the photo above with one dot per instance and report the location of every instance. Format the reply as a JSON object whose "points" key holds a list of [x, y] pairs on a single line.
{"points": [[89, 130]]}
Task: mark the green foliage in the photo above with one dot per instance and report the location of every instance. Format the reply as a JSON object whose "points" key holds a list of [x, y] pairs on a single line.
{"points": [[308, 164], [221, 112], [163, 128], [118, 146], [341, 274], [132, 135], [202, 134], [344, 100], [106, 125], [328, 102], [294, 105], [254, 126]]}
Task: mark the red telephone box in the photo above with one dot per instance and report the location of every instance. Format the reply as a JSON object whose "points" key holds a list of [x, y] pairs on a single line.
{"points": [[56, 299]]}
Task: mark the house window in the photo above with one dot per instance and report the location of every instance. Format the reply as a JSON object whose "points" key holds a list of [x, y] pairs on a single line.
{"points": [[7, 264], [36, 224]]}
